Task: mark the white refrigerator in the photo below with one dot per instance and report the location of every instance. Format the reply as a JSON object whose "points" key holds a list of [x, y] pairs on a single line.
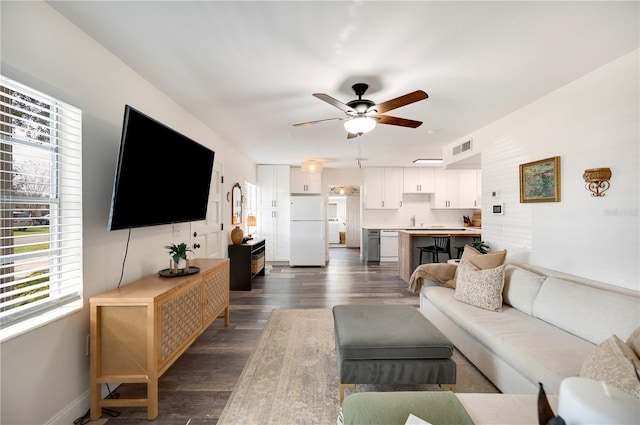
{"points": [[308, 231]]}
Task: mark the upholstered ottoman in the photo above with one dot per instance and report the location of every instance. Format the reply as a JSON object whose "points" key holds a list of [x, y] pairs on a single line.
{"points": [[390, 344]]}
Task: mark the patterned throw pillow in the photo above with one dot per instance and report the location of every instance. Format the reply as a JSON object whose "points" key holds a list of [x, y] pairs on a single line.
{"points": [[480, 260], [613, 362], [480, 288]]}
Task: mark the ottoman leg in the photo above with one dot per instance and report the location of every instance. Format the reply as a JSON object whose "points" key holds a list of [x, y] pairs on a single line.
{"points": [[342, 388]]}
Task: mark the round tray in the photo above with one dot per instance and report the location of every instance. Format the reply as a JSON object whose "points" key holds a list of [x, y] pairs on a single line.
{"points": [[185, 272]]}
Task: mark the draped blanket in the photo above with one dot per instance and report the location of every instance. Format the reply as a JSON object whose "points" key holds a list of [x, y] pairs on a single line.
{"points": [[441, 273]]}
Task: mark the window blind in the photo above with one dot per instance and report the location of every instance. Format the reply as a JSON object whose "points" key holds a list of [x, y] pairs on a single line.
{"points": [[250, 199], [41, 203]]}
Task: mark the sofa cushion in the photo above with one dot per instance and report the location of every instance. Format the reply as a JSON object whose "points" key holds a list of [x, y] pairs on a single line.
{"points": [[614, 363], [590, 313], [480, 288], [481, 261], [521, 287], [530, 345]]}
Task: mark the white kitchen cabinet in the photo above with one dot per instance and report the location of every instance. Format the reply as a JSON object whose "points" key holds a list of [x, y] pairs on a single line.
{"points": [[274, 199], [274, 186], [419, 180], [479, 189], [305, 183], [458, 189], [447, 194], [382, 188], [468, 183]]}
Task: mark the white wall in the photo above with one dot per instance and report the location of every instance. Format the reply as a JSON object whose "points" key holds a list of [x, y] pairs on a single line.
{"points": [[45, 373], [592, 122]]}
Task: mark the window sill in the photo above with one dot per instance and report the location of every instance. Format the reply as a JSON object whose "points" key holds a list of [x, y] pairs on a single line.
{"points": [[25, 326]]}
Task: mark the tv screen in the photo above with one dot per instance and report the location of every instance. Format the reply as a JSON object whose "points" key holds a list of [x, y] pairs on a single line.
{"points": [[162, 177]]}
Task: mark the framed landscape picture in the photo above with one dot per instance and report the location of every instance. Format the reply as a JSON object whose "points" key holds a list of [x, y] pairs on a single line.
{"points": [[540, 180]]}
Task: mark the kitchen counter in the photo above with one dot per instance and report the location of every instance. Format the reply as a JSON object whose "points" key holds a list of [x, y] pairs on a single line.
{"points": [[409, 240], [427, 228]]}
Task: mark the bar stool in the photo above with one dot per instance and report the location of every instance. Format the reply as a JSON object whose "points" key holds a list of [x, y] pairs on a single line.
{"points": [[441, 245], [461, 248]]}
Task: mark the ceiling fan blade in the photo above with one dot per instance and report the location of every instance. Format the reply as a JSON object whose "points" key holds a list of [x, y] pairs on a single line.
{"points": [[335, 102], [317, 121], [400, 101], [403, 122]]}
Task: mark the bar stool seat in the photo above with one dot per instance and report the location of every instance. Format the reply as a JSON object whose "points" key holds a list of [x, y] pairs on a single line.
{"points": [[441, 245]]}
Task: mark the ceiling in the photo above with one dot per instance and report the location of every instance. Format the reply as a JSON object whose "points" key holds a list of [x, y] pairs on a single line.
{"points": [[248, 69]]}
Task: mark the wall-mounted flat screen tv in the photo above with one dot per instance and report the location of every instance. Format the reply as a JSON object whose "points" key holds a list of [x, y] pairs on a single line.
{"points": [[162, 176]]}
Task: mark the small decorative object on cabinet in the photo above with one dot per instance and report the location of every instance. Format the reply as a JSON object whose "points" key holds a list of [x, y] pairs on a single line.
{"points": [[237, 235], [140, 329], [179, 263], [247, 262]]}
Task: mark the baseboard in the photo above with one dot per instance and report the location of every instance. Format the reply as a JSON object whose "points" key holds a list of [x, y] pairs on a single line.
{"points": [[72, 411], [78, 408]]}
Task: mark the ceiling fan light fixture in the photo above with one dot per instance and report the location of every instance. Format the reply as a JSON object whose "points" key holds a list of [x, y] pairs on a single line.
{"points": [[360, 125], [312, 166]]}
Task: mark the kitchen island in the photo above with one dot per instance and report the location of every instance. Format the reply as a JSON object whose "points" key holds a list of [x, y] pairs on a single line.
{"points": [[410, 240]]}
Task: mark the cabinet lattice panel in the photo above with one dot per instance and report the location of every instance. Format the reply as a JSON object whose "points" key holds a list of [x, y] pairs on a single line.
{"points": [[215, 291], [180, 319]]}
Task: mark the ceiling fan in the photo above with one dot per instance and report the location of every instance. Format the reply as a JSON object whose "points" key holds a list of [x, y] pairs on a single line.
{"points": [[362, 115]]}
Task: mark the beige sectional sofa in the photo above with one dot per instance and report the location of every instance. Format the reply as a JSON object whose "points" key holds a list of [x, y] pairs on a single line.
{"points": [[548, 325], [537, 325]]}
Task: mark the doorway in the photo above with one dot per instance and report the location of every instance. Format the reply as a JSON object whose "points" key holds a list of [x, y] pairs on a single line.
{"points": [[343, 216]]}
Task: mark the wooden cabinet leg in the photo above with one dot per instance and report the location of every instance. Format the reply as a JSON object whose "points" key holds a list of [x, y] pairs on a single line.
{"points": [[227, 315], [96, 410], [152, 399]]}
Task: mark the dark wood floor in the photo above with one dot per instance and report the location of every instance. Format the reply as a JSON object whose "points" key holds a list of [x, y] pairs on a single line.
{"points": [[196, 388]]}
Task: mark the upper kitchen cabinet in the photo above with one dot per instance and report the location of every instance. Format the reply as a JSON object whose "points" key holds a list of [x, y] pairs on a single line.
{"points": [[383, 188], [419, 180], [273, 186], [305, 183], [456, 189]]}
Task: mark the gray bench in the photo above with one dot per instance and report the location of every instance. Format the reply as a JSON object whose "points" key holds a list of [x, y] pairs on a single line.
{"points": [[390, 344]]}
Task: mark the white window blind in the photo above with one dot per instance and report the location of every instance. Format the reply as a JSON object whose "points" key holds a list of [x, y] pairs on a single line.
{"points": [[41, 206]]}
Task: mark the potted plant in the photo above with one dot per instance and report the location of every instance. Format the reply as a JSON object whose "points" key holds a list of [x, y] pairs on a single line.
{"points": [[178, 254], [481, 246]]}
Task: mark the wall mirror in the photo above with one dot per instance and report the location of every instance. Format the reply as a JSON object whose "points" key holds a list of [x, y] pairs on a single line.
{"points": [[236, 204]]}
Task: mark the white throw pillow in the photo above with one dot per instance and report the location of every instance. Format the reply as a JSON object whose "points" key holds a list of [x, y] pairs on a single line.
{"points": [[521, 288], [480, 288]]}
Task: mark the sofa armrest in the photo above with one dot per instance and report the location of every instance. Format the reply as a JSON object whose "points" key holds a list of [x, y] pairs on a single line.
{"points": [[440, 273]]}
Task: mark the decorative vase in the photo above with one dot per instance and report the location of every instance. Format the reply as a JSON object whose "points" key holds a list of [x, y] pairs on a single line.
{"points": [[237, 235], [180, 267]]}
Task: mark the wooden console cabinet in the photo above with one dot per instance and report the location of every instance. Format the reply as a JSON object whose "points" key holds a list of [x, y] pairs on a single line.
{"points": [[140, 329], [247, 261]]}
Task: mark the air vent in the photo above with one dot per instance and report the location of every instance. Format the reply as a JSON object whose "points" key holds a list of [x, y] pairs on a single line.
{"points": [[466, 146]]}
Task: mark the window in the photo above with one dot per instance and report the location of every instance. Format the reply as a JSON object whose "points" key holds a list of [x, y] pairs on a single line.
{"points": [[41, 208], [250, 199]]}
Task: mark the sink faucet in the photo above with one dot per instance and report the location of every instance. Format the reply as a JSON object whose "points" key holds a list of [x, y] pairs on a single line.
{"points": [[413, 221]]}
